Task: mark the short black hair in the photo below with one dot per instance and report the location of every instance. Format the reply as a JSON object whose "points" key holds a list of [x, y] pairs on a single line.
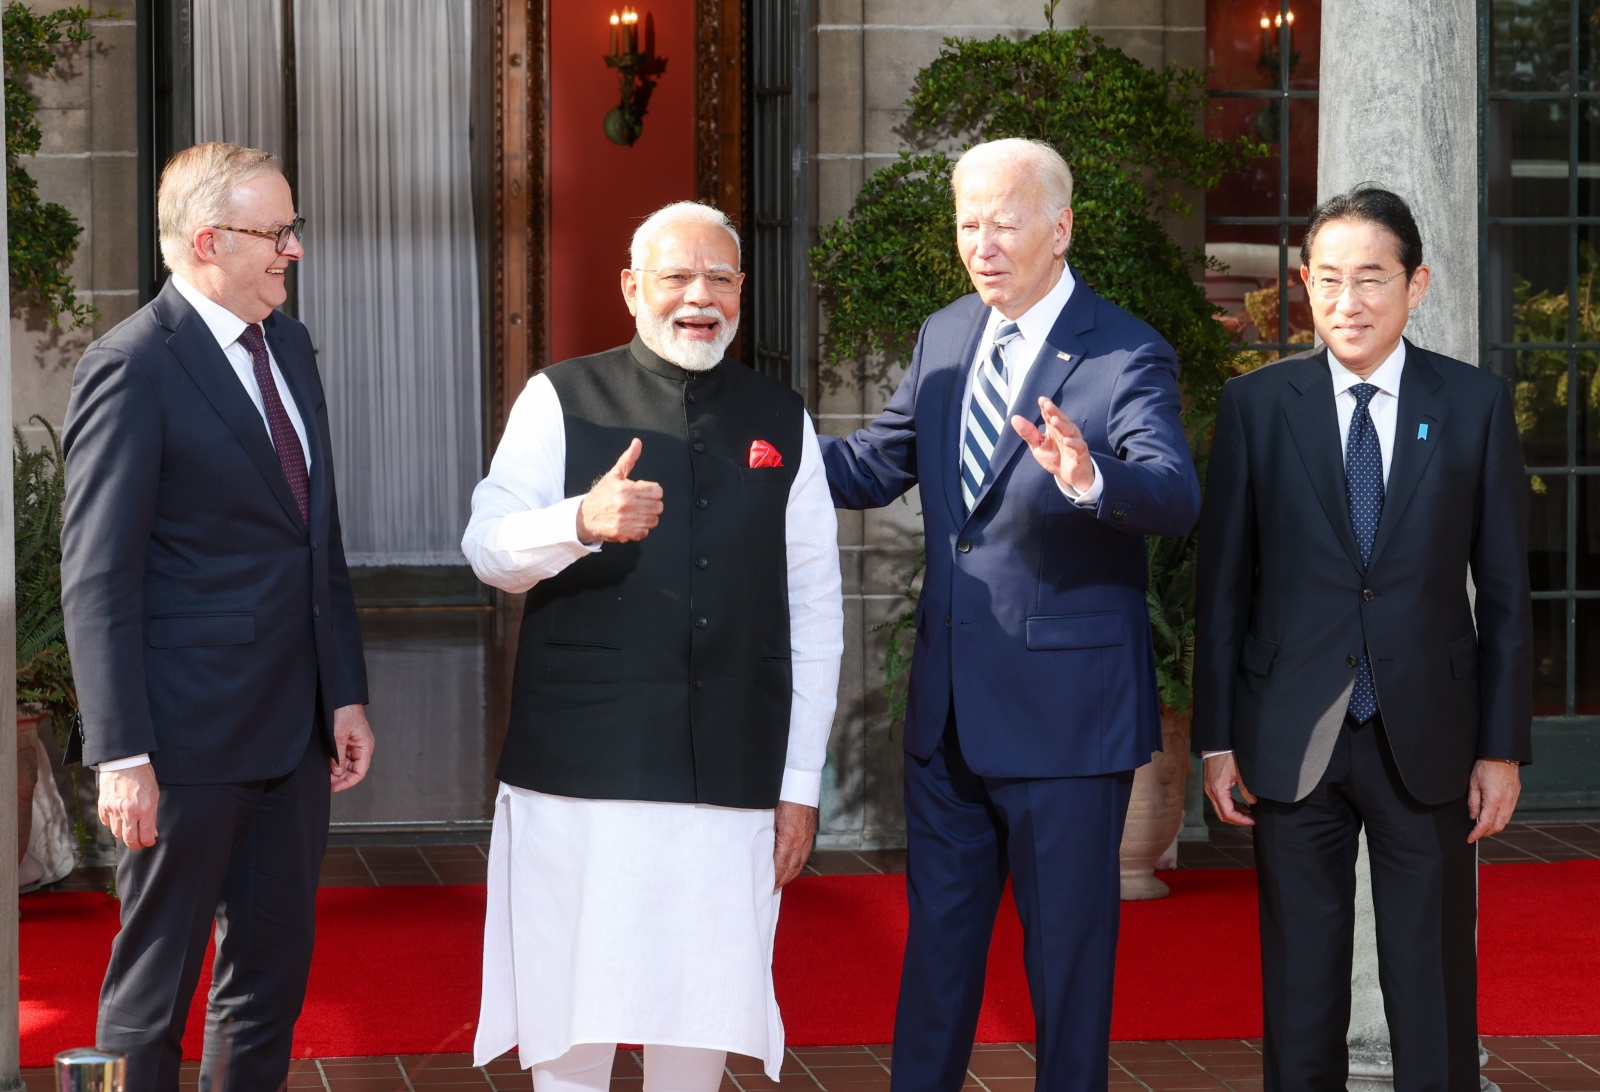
{"points": [[1369, 203]]}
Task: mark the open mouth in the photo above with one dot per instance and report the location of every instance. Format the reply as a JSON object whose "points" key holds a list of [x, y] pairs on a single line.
{"points": [[697, 328]]}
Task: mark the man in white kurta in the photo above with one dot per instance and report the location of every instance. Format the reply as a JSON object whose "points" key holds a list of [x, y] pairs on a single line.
{"points": [[645, 920]]}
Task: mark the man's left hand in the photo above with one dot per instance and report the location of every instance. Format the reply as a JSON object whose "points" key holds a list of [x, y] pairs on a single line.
{"points": [[796, 829], [1492, 796], [1060, 448], [352, 746]]}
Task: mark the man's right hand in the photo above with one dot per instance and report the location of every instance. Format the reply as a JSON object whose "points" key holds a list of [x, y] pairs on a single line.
{"points": [[1222, 774], [618, 509], [128, 804]]}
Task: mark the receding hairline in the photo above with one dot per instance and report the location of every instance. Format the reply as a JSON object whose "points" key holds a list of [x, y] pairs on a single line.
{"points": [[1041, 164], [678, 214]]}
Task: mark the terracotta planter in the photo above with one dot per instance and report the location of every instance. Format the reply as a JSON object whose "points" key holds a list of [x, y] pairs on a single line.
{"points": [[28, 718], [1155, 813]]}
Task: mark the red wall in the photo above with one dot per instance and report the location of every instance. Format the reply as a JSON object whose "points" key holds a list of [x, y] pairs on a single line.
{"points": [[600, 191]]}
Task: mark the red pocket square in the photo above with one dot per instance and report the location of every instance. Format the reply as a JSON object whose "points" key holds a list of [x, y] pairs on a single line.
{"points": [[764, 454]]}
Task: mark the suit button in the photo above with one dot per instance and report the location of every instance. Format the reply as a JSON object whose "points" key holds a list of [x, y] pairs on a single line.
{"points": [[702, 503], [964, 546], [699, 447], [947, 621], [701, 623], [1368, 595], [690, 397], [698, 685], [313, 547], [315, 612], [701, 563], [1352, 661]]}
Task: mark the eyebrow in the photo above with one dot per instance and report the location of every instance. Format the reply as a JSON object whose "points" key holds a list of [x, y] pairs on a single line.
{"points": [[1379, 266]]}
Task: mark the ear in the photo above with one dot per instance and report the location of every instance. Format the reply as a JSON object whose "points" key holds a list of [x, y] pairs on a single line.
{"points": [[204, 244], [1063, 233], [1418, 287], [630, 290]]}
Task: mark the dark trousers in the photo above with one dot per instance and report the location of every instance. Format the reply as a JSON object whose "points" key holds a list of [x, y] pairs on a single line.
{"points": [[245, 858], [1058, 839], [1424, 894]]}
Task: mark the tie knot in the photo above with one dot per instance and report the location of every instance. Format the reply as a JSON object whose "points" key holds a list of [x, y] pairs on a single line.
{"points": [[1365, 393], [1007, 332], [252, 338]]}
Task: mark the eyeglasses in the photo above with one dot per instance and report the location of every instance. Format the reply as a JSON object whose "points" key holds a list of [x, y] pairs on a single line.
{"points": [[1330, 287], [279, 236], [720, 281]]}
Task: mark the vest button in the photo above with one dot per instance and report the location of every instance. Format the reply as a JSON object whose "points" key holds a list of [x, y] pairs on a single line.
{"points": [[947, 621], [690, 397], [701, 563], [964, 546], [1352, 661], [702, 503], [699, 448], [1368, 594], [698, 685], [701, 623]]}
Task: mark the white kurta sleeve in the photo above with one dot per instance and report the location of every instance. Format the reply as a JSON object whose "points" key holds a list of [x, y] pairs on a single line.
{"points": [[816, 623], [523, 529]]}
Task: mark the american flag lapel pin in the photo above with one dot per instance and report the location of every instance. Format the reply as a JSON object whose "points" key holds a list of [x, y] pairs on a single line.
{"points": [[1064, 356]]}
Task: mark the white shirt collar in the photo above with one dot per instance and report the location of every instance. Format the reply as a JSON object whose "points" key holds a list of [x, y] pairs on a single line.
{"points": [[1036, 322], [1386, 378], [224, 325]]}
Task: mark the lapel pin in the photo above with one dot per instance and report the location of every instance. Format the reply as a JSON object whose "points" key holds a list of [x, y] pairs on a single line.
{"points": [[1064, 356], [1422, 431]]}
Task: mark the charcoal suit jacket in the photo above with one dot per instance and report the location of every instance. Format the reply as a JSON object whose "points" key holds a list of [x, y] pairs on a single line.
{"points": [[1285, 605], [1033, 626], [208, 624]]}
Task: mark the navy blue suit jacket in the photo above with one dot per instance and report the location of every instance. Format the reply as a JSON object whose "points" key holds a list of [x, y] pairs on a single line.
{"points": [[206, 621], [1033, 624]]}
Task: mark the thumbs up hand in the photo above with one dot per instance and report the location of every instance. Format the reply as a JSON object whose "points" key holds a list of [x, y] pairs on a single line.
{"points": [[618, 509]]}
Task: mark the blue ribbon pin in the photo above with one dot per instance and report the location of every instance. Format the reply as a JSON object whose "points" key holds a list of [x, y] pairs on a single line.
{"points": [[1422, 431]]}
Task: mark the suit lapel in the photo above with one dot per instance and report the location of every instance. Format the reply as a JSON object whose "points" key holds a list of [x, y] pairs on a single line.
{"points": [[294, 369], [1420, 403], [1314, 424], [955, 415], [208, 368]]}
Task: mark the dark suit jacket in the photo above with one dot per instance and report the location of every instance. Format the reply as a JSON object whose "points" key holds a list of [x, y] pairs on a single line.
{"points": [[207, 623], [1285, 604], [1033, 623]]}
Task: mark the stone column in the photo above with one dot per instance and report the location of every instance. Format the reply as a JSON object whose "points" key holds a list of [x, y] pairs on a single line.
{"points": [[1399, 107]]}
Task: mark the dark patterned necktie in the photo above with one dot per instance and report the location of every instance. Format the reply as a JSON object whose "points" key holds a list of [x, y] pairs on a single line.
{"points": [[1363, 481], [986, 416], [291, 456]]}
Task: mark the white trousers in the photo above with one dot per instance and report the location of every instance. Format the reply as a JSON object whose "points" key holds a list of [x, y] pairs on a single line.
{"points": [[587, 1068]]}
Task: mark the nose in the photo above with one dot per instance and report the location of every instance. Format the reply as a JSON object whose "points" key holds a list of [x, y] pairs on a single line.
{"points": [[293, 249], [698, 294]]}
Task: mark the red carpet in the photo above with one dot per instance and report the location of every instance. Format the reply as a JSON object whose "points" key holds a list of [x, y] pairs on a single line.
{"points": [[396, 969]]}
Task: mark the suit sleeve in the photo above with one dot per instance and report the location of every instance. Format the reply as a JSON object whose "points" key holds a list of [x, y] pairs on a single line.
{"points": [[350, 665], [878, 463], [1150, 485], [112, 441], [1503, 605], [1225, 580]]}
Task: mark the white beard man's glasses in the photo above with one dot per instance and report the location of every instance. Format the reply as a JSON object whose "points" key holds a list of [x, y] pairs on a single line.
{"points": [[720, 281]]}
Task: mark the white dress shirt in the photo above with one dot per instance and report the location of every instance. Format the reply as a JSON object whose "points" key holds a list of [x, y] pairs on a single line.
{"points": [[226, 327], [1033, 327], [1384, 409], [523, 530]]}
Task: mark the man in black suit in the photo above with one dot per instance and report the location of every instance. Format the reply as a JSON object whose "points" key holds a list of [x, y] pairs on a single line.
{"points": [[213, 634], [1345, 675]]}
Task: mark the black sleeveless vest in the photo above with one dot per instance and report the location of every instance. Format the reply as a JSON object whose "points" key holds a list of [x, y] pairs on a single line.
{"points": [[659, 669]]}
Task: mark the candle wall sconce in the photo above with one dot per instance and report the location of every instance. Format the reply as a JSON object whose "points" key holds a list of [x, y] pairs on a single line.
{"points": [[637, 68], [1277, 37]]}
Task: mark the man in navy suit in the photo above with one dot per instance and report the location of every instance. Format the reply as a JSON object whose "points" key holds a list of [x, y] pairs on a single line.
{"points": [[1032, 695], [213, 633]]}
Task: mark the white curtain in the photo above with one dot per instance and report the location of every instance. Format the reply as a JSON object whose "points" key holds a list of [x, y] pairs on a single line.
{"points": [[238, 72], [389, 288]]}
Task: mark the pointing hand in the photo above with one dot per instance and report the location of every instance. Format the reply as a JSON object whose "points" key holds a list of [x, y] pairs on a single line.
{"points": [[619, 509]]}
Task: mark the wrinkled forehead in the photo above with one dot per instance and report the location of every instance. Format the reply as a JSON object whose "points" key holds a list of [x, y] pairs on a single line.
{"points": [[997, 193], [691, 245], [265, 197]]}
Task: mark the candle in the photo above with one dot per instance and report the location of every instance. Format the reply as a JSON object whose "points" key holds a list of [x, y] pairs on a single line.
{"points": [[1266, 42], [1289, 19], [615, 22]]}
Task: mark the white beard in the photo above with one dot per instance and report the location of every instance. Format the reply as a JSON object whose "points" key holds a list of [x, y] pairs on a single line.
{"points": [[692, 356]]}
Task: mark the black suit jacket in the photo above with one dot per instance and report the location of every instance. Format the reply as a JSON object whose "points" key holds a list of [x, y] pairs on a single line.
{"points": [[1285, 604], [207, 623]]}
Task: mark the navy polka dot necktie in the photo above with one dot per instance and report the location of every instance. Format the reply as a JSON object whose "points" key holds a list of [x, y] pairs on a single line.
{"points": [[1363, 480]]}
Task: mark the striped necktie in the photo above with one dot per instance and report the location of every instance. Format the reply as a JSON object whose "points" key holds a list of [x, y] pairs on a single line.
{"points": [[1363, 478], [986, 416]]}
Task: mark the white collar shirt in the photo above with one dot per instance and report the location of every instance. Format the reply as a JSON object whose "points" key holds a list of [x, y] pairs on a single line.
{"points": [[1384, 408]]}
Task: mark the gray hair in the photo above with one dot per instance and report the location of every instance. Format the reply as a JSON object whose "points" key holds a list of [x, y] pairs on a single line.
{"points": [[1041, 160], [679, 212], [197, 188]]}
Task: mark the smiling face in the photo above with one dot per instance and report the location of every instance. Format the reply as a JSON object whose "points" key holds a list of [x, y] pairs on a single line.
{"points": [[1009, 242], [690, 323], [245, 273], [1361, 331]]}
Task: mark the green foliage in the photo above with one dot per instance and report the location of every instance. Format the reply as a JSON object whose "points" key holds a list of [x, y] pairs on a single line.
{"points": [[1134, 140], [1543, 380], [43, 236], [44, 673]]}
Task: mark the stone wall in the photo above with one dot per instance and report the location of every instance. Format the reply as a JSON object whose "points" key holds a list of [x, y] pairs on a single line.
{"points": [[867, 52], [88, 162]]}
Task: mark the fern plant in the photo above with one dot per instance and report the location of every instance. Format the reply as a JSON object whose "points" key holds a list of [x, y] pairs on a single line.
{"points": [[44, 671]]}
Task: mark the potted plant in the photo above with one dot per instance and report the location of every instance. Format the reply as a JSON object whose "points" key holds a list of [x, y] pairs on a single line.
{"points": [[1132, 138]]}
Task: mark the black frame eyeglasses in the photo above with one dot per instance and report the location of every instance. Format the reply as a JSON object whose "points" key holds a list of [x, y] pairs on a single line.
{"points": [[279, 236]]}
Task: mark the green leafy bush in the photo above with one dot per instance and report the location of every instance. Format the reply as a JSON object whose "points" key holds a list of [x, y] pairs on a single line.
{"points": [[1134, 139], [44, 673]]}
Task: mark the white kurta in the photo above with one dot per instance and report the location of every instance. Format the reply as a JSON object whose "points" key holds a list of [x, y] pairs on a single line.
{"points": [[638, 921]]}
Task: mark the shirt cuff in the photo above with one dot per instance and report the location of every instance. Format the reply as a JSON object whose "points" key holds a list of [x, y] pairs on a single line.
{"points": [[1090, 496], [123, 763], [801, 787], [1212, 754]]}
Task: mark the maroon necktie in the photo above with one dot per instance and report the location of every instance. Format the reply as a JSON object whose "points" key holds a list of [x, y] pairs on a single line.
{"points": [[291, 456]]}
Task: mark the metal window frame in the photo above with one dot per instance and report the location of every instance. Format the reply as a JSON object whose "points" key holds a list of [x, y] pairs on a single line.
{"points": [[1571, 472], [1282, 94]]}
